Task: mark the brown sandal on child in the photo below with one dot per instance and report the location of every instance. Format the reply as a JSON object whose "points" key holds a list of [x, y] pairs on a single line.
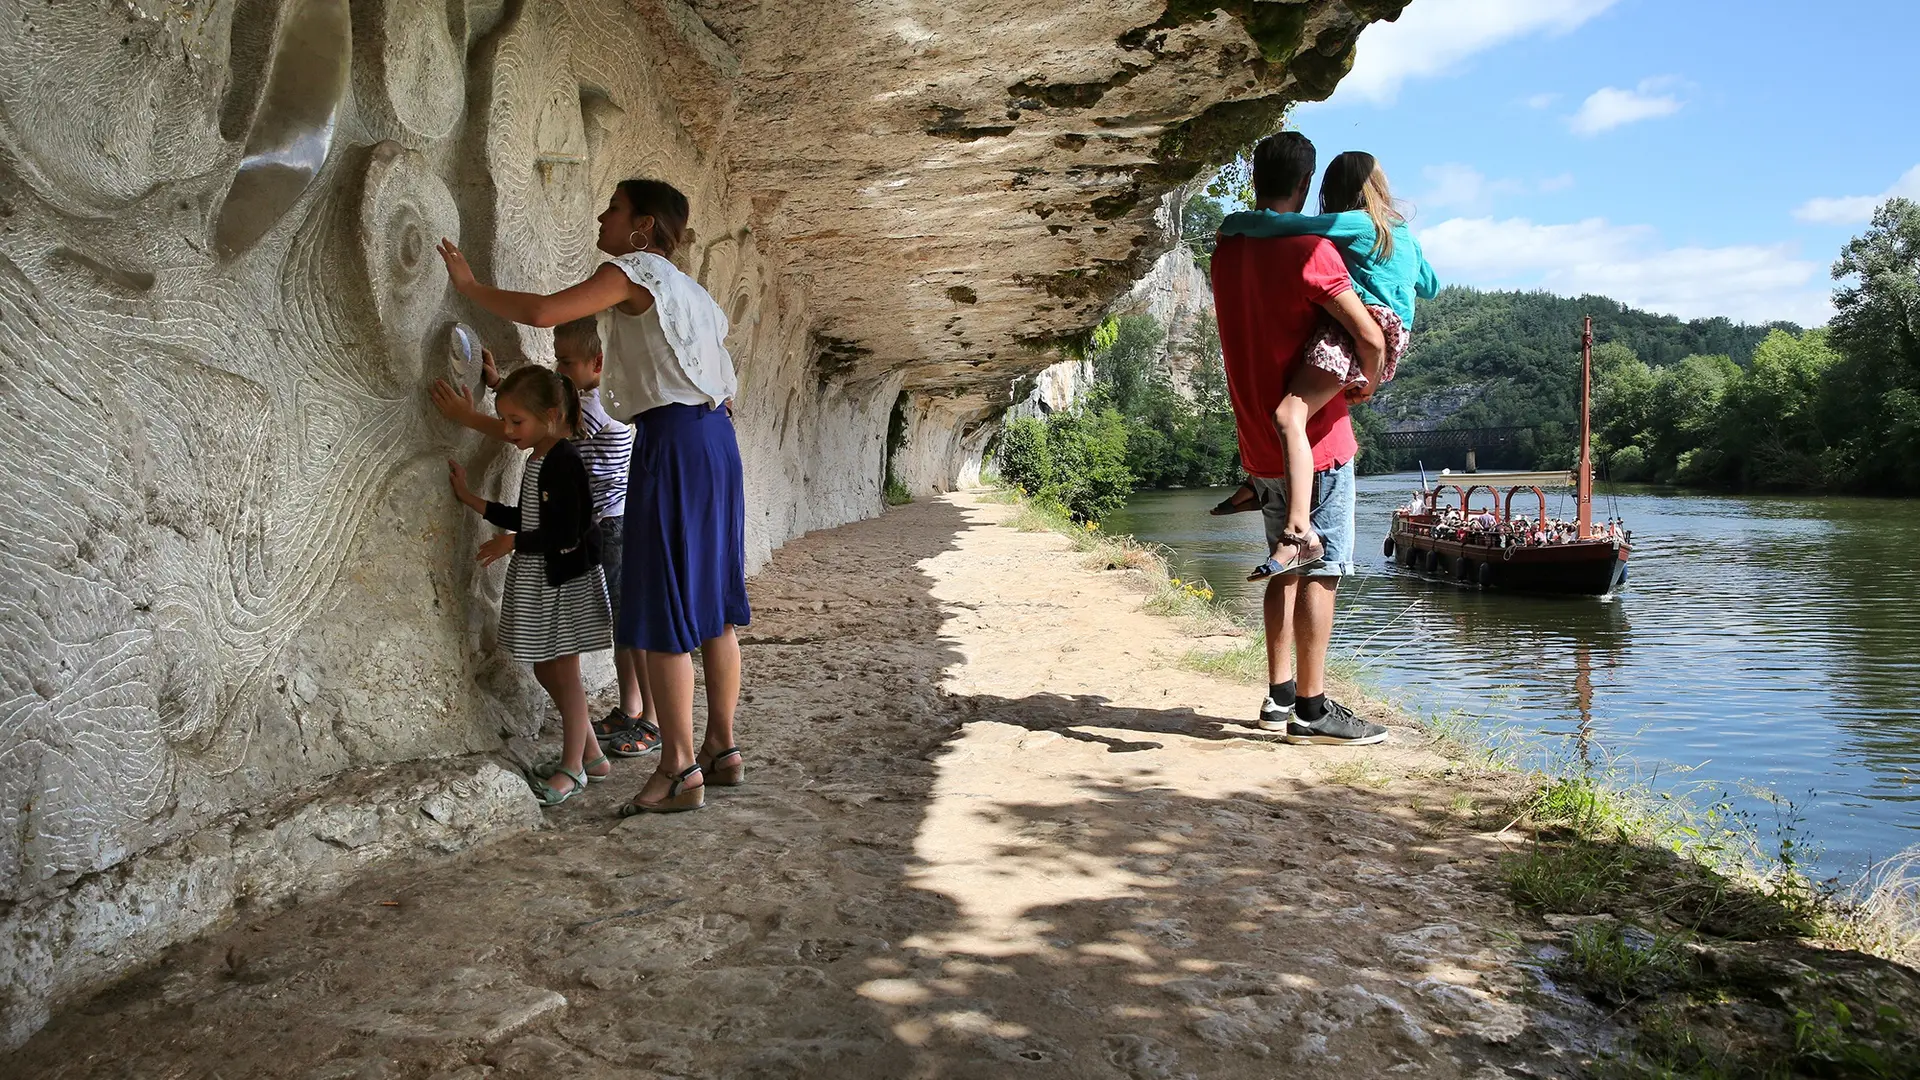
{"points": [[723, 775], [679, 797], [1236, 503]]}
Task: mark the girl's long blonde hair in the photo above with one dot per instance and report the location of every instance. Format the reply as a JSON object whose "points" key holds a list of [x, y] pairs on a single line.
{"points": [[1355, 181]]}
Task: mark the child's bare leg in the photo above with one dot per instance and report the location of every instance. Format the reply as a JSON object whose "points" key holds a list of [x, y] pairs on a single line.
{"points": [[635, 699], [561, 679], [1307, 394]]}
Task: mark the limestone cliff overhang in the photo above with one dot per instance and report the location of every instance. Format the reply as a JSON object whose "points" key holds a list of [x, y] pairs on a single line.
{"points": [[966, 184]]}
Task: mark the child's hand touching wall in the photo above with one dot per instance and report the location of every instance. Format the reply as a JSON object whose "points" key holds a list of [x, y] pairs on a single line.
{"points": [[494, 549], [457, 477]]}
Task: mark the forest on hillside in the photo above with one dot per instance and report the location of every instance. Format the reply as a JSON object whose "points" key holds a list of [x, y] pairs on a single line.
{"points": [[1512, 359]]}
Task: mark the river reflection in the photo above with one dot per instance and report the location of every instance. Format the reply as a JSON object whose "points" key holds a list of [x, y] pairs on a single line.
{"points": [[1760, 642]]}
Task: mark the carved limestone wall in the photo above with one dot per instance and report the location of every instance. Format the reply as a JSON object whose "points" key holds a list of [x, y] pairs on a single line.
{"points": [[230, 570], [231, 566]]}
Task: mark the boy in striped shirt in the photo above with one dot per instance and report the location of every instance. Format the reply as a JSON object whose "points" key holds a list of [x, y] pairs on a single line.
{"points": [[605, 446]]}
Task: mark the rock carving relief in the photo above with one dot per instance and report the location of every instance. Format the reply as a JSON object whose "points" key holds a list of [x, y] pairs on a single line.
{"points": [[293, 126], [537, 154], [205, 439], [98, 108], [404, 210], [410, 67]]}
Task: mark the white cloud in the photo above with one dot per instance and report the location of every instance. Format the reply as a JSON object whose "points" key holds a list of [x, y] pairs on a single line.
{"points": [[1542, 101], [1749, 282], [1462, 187], [1465, 189], [1432, 37], [1610, 107], [1854, 209]]}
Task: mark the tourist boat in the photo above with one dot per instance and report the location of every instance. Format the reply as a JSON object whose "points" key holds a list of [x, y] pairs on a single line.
{"points": [[1487, 548]]}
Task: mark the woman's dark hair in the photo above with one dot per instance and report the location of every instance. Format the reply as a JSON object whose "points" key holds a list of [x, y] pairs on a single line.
{"points": [[665, 205], [539, 389], [1355, 181]]}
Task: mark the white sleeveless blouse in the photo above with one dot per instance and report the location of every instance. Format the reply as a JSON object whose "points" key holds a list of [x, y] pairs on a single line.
{"points": [[674, 353]]}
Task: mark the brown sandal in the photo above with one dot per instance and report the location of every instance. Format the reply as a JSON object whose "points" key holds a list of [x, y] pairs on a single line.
{"points": [[637, 740], [724, 775], [679, 797]]}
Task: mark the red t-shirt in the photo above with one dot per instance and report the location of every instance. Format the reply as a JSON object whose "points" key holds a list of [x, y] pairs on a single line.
{"points": [[1267, 294]]}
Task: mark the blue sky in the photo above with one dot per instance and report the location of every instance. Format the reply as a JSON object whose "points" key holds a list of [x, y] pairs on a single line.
{"points": [[1695, 157]]}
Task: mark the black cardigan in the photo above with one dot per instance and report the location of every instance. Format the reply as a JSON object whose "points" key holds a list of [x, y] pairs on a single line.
{"points": [[568, 537]]}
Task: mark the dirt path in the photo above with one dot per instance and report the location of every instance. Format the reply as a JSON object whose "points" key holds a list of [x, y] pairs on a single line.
{"points": [[991, 829]]}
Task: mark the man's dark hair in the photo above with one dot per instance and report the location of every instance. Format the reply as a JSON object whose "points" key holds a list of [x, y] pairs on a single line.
{"points": [[1280, 163]]}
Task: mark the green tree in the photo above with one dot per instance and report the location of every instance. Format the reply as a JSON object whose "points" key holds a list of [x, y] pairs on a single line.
{"points": [[1087, 448], [1774, 423], [1874, 392], [1127, 359], [1200, 220], [1024, 460]]}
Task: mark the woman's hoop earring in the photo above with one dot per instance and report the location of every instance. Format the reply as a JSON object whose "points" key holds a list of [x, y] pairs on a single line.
{"points": [[632, 243]]}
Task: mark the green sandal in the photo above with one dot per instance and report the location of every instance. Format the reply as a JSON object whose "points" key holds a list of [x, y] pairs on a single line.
{"points": [[547, 768], [549, 797]]}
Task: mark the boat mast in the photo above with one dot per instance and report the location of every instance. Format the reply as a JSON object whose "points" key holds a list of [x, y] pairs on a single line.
{"points": [[1584, 493]]}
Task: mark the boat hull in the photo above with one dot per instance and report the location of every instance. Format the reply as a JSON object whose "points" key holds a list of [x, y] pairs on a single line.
{"points": [[1585, 568]]}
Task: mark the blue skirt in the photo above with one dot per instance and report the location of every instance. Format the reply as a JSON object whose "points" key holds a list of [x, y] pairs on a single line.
{"points": [[684, 574]]}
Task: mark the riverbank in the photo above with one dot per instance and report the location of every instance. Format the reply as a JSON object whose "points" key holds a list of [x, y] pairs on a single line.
{"points": [[992, 823]]}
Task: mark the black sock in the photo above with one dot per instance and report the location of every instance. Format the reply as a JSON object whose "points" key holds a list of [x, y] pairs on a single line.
{"points": [[1311, 709], [1281, 693]]}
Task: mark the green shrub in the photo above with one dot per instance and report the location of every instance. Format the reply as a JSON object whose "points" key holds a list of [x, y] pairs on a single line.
{"points": [[1087, 448], [896, 493], [1024, 461], [1627, 463]]}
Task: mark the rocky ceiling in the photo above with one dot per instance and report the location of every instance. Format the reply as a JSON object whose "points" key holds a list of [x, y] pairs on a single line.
{"points": [[964, 183]]}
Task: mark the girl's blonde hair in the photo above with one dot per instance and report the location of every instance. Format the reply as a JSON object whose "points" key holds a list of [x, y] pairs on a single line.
{"points": [[1355, 181], [539, 389]]}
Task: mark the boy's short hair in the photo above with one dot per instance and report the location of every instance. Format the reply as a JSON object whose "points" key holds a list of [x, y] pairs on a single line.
{"points": [[582, 332], [1280, 163]]}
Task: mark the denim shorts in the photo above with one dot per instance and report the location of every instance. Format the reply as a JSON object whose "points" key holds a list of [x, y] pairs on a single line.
{"points": [[1332, 516], [610, 530]]}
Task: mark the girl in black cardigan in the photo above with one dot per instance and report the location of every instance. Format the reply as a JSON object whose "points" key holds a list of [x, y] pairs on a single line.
{"points": [[555, 604]]}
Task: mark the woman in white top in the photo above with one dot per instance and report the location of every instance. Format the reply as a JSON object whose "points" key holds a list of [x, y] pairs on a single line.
{"points": [[683, 585]]}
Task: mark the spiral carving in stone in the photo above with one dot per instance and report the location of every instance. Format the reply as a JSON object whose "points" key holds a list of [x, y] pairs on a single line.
{"points": [[404, 211]]}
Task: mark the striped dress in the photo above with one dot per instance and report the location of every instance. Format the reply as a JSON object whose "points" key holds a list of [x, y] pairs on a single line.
{"points": [[539, 622]]}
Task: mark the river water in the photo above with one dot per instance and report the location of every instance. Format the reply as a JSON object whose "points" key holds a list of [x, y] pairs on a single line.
{"points": [[1765, 650]]}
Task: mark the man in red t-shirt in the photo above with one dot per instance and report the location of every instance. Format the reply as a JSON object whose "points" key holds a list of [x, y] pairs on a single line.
{"points": [[1269, 295]]}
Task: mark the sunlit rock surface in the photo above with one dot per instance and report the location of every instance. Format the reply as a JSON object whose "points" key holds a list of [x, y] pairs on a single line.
{"points": [[231, 570]]}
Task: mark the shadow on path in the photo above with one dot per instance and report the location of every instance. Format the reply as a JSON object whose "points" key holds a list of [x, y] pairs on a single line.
{"points": [[913, 884]]}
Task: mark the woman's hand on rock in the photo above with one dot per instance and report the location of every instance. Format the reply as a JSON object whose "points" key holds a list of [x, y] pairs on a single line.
{"points": [[457, 269]]}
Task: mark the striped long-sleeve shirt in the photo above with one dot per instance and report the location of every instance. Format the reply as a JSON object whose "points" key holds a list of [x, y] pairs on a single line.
{"points": [[606, 446]]}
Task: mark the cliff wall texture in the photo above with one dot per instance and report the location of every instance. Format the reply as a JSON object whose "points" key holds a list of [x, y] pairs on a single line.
{"points": [[231, 574]]}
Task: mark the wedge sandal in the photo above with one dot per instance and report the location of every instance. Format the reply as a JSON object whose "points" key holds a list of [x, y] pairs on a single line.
{"points": [[719, 775], [679, 797]]}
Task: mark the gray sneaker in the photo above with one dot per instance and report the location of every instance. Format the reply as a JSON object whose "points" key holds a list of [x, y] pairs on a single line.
{"points": [[1339, 727], [1274, 717]]}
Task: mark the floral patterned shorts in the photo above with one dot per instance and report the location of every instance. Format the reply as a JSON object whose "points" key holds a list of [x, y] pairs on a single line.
{"points": [[1332, 349]]}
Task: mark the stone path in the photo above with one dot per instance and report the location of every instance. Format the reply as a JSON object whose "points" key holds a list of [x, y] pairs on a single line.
{"points": [[990, 829]]}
